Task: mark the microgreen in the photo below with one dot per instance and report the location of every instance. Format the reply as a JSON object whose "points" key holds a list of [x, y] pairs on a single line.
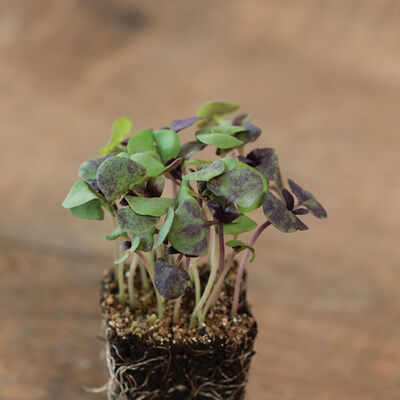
{"points": [[211, 200], [120, 129]]}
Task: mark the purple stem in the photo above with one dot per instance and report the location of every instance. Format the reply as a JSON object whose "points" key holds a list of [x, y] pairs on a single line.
{"points": [[221, 247], [187, 263], [178, 259], [242, 265]]}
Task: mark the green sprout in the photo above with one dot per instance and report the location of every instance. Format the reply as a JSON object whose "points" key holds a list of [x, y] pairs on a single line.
{"points": [[165, 237]]}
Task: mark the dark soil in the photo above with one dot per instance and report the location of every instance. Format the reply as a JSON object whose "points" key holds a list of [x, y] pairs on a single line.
{"points": [[156, 359]]}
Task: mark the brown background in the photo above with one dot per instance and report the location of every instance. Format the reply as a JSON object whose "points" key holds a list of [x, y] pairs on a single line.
{"points": [[323, 80]]}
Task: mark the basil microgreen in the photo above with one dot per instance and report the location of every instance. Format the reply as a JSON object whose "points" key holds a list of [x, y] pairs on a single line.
{"points": [[210, 199]]}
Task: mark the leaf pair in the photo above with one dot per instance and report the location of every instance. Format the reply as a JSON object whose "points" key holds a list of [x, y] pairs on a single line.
{"points": [[282, 213], [83, 202], [221, 136], [134, 245]]}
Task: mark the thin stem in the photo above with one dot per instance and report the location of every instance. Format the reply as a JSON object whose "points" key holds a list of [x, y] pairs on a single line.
{"points": [[174, 188], [177, 308], [241, 151], [196, 278], [233, 154], [207, 290], [121, 273], [131, 279], [187, 264], [213, 254], [144, 278], [160, 305], [242, 265], [178, 259], [221, 247], [149, 264], [214, 295]]}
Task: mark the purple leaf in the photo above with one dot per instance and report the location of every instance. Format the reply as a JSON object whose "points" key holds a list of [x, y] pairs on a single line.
{"points": [[251, 134], [289, 199], [189, 148], [179, 124], [308, 200], [301, 211], [155, 186], [125, 245], [172, 250], [279, 216], [215, 208], [238, 120], [230, 214], [173, 166], [170, 280]]}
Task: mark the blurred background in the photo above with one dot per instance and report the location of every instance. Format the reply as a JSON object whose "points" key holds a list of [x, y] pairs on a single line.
{"points": [[321, 78]]}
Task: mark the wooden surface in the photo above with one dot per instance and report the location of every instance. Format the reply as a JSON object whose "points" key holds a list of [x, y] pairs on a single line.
{"points": [[321, 77]]}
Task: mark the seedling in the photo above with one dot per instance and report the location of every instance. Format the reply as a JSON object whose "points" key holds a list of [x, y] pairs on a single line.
{"points": [[166, 237]]}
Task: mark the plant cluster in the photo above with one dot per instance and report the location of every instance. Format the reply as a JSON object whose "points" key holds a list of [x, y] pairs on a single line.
{"points": [[211, 201]]}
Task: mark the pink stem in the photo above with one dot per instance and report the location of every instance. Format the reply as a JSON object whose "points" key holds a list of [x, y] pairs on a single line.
{"points": [[242, 265], [187, 263], [174, 188], [221, 247], [178, 259]]}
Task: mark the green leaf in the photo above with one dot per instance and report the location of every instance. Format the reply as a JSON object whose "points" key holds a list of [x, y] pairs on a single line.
{"points": [[214, 110], [134, 245], [79, 194], [221, 129], [279, 216], [308, 200], [238, 246], [189, 148], [241, 186], [164, 230], [117, 174], [168, 144], [149, 161], [131, 222], [141, 141], [123, 154], [219, 140], [240, 225], [207, 173], [170, 280], [118, 232], [90, 210], [120, 129], [184, 192], [230, 163], [197, 163], [155, 206], [189, 232]]}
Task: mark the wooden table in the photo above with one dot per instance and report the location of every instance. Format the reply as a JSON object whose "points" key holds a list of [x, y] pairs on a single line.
{"points": [[323, 80]]}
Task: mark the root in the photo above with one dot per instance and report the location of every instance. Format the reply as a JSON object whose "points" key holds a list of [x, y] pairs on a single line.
{"points": [[217, 385]]}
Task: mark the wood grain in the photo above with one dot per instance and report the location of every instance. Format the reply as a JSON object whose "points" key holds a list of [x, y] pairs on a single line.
{"points": [[321, 78]]}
